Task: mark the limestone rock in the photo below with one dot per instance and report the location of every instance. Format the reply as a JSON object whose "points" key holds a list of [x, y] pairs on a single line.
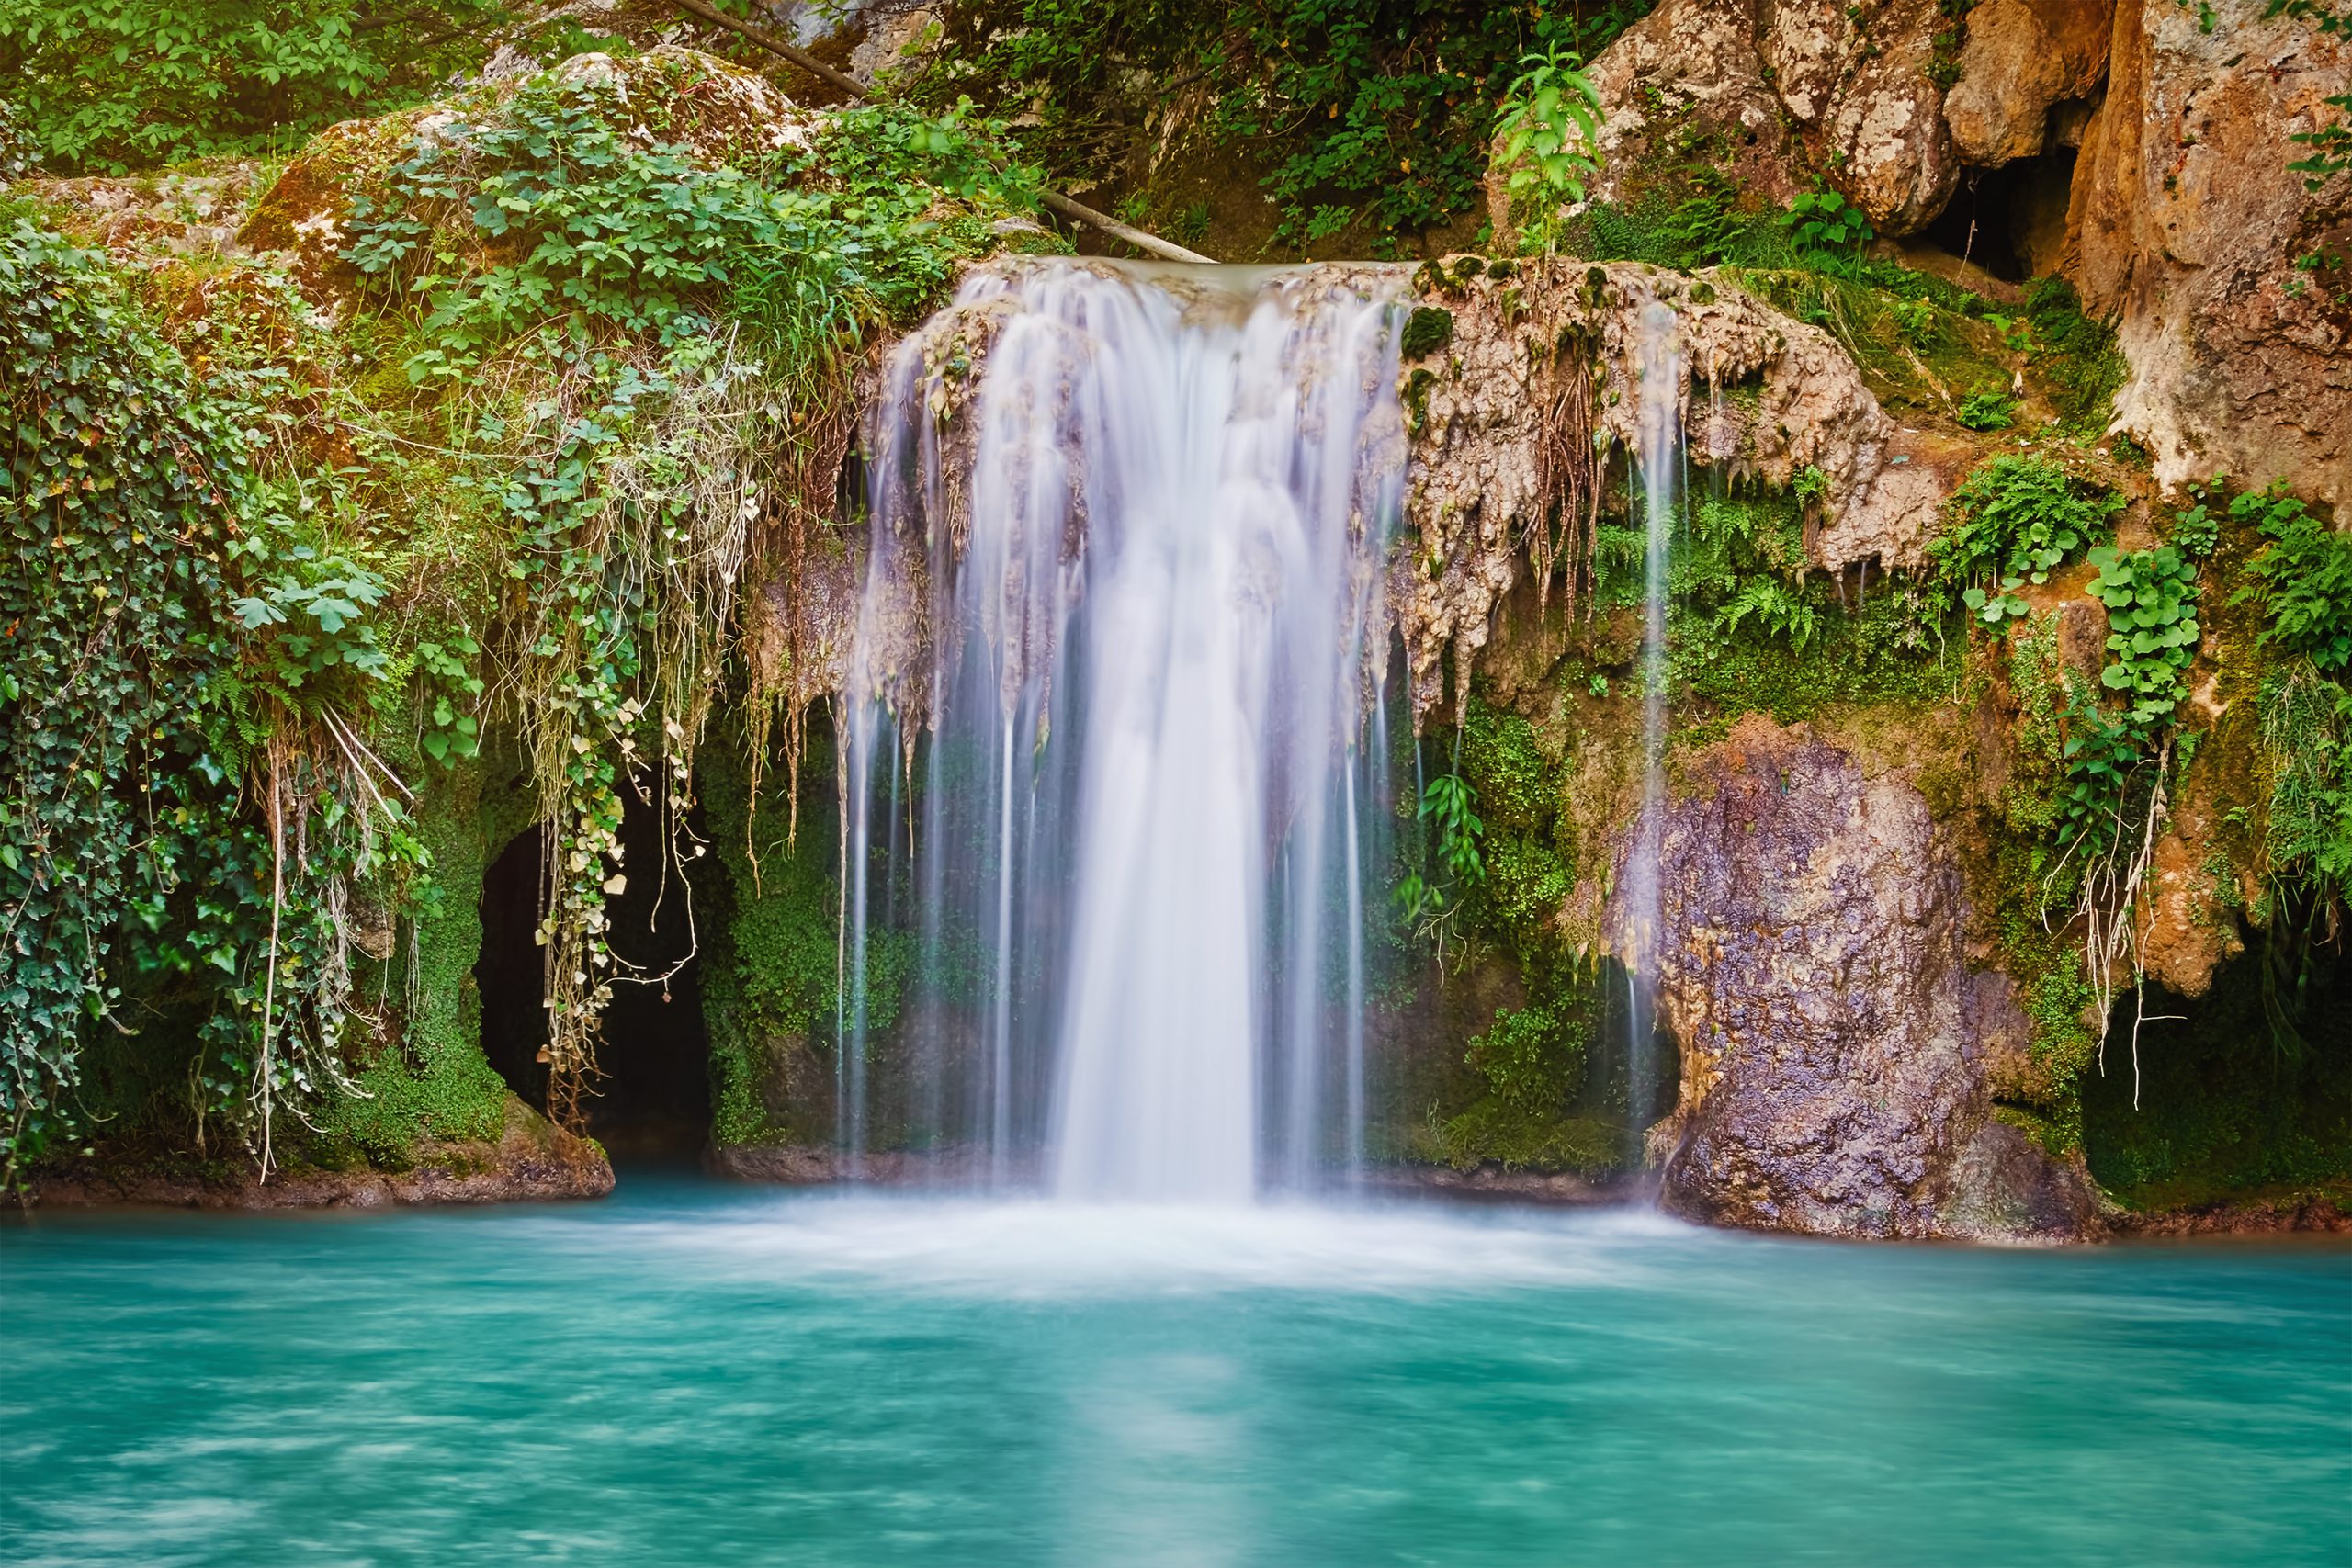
{"points": [[1835, 1041], [2186, 223], [1860, 79], [1767, 397], [1851, 88], [2019, 59], [1688, 67]]}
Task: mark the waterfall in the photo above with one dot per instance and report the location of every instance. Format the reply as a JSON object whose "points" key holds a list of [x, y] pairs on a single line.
{"points": [[1658, 422], [1148, 551]]}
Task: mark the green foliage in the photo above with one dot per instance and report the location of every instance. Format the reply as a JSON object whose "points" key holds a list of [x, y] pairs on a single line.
{"points": [[1988, 409], [2150, 599], [169, 634], [545, 232], [1428, 893], [1825, 223], [108, 86], [2012, 521], [2306, 722], [1533, 1059], [1371, 112], [2303, 578], [1547, 121], [1778, 610]]}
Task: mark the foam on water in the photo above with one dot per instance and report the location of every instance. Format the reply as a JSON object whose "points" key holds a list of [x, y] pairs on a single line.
{"points": [[1048, 1248]]}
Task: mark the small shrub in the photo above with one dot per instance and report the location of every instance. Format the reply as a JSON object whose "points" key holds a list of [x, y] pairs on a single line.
{"points": [[1987, 410], [2014, 520]]}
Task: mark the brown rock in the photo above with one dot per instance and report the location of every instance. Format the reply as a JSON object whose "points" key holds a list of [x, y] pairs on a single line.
{"points": [[2185, 223], [1690, 67], [1835, 1041], [1860, 79], [2019, 57]]}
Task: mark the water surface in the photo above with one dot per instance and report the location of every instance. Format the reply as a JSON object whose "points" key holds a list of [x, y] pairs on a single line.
{"points": [[697, 1374]]}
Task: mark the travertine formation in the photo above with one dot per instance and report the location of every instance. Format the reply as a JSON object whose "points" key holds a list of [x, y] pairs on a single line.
{"points": [[1768, 398]]}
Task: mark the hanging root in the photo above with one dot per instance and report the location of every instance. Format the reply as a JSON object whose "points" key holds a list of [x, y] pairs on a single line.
{"points": [[1569, 469]]}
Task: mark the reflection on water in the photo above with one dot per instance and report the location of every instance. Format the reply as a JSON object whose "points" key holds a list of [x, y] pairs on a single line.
{"points": [[698, 1375]]}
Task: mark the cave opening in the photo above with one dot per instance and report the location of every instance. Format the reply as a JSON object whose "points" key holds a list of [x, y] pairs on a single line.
{"points": [[2244, 1091], [651, 1096], [2010, 220]]}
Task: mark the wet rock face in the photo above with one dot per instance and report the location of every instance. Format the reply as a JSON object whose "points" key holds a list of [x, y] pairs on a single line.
{"points": [[1766, 397], [1834, 1040], [2186, 222]]}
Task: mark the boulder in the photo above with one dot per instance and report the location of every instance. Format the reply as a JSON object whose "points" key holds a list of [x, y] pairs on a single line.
{"points": [[2186, 225], [1861, 80], [1837, 1047], [1688, 70], [2019, 59]]}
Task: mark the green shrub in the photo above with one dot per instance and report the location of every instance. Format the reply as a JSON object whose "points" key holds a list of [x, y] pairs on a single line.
{"points": [[108, 85]]}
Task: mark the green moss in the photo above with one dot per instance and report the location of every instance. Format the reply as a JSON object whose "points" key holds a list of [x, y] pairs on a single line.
{"points": [[2075, 357], [429, 1081], [2213, 1109], [1427, 330], [771, 969], [1875, 655]]}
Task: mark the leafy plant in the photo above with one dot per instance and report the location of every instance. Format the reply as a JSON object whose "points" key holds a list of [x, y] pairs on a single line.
{"points": [[1987, 410], [1532, 1059], [1427, 894], [2151, 598], [1547, 121], [1823, 221], [2302, 577], [1776, 609], [109, 86], [2012, 521]]}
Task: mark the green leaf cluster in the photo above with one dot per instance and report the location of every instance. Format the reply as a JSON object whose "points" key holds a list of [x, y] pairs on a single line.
{"points": [[1547, 122], [2150, 599], [2012, 521], [110, 86]]}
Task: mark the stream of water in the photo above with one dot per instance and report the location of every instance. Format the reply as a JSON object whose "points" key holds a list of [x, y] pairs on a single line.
{"points": [[1151, 555], [700, 1376]]}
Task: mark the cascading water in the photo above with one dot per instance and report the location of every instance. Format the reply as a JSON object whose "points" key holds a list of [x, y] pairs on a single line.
{"points": [[1663, 382], [1147, 557]]}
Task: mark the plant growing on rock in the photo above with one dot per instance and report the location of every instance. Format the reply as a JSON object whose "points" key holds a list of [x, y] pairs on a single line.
{"points": [[1546, 122], [2013, 521]]}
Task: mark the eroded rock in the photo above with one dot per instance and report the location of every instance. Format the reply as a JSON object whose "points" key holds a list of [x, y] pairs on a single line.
{"points": [[2186, 223], [2019, 60], [1835, 1041], [1768, 398], [1852, 88]]}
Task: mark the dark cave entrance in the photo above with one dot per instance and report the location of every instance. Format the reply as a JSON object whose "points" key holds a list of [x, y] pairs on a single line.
{"points": [[652, 1098], [2243, 1092], [2010, 220]]}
